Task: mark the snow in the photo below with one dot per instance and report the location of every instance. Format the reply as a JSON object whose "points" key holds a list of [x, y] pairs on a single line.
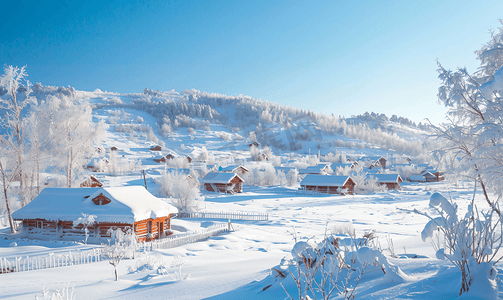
{"points": [[237, 264]]}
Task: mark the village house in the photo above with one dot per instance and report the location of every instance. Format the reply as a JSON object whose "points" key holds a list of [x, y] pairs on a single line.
{"points": [[320, 169], [392, 181], [155, 148], [329, 184], [130, 208], [240, 170], [91, 182], [223, 182]]}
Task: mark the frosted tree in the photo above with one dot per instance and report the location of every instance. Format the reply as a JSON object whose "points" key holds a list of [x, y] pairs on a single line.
{"points": [[14, 103], [74, 136], [472, 139], [86, 221], [182, 189]]}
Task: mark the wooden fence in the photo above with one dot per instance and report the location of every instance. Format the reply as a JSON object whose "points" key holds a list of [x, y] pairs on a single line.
{"points": [[225, 215], [52, 260], [185, 238]]}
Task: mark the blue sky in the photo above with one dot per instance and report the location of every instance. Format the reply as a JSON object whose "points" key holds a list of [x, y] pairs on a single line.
{"points": [[341, 57]]}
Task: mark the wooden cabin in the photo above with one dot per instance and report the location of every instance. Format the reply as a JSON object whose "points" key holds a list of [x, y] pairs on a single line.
{"points": [[392, 181], [114, 148], [240, 170], [223, 182], [328, 184], [320, 169], [130, 208], [91, 182], [156, 148]]}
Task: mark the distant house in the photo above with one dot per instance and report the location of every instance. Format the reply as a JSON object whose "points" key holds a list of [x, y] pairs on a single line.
{"points": [[113, 148], [329, 184], [91, 182], [223, 182], [189, 159], [53, 211], [156, 148], [392, 181], [160, 159], [375, 161], [253, 144], [429, 177], [318, 169], [416, 178], [240, 170], [170, 156]]}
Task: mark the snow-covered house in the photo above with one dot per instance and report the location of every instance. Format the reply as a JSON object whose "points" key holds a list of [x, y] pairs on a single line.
{"points": [[91, 182], [240, 170], [374, 161], [223, 182], [53, 211], [156, 148], [322, 169], [392, 181], [330, 184]]}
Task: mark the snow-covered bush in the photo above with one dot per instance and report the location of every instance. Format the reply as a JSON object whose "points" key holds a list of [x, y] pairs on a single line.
{"points": [[330, 268], [471, 242], [64, 293]]}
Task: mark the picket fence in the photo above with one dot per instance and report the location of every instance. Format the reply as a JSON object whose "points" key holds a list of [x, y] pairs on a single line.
{"points": [[185, 238], [51, 260], [55, 260], [225, 215]]}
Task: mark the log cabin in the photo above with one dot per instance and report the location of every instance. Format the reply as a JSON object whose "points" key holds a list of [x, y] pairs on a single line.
{"points": [[223, 182], [328, 184], [91, 182], [240, 170], [392, 181], [130, 208]]}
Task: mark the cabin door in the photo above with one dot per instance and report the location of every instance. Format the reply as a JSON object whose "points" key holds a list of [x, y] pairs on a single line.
{"points": [[161, 229]]}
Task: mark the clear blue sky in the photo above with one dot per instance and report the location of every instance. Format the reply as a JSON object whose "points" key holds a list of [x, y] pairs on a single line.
{"points": [[341, 57]]}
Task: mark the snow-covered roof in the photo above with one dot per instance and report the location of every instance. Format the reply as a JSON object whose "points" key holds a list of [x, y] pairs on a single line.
{"points": [[216, 177], [324, 180], [128, 204], [420, 178], [387, 178], [232, 168]]}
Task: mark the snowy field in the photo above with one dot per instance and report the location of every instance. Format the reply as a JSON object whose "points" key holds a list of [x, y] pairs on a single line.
{"points": [[238, 264]]}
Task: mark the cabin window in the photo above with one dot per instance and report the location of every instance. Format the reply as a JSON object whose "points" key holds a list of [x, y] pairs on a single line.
{"points": [[135, 228], [101, 200], [40, 224], [149, 226]]}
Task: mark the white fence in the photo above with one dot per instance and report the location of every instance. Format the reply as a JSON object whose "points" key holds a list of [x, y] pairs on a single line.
{"points": [[52, 260], [55, 260], [225, 215], [185, 238]]}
